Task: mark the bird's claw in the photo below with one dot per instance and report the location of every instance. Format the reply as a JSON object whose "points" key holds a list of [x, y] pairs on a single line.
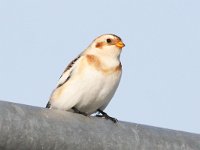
{"points": [[106, 116], [80, 112]]}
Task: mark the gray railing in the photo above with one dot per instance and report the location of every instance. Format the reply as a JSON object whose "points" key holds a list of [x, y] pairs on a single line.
{"points": [[24, 127]]}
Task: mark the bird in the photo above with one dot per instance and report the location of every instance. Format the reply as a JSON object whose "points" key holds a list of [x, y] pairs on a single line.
{"points": [[89, 82]]}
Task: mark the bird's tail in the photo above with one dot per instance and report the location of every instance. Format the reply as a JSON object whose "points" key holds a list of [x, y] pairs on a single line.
{"points": [[48, 105]]}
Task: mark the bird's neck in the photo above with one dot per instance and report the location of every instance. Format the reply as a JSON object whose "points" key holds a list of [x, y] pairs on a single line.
{"points": [[106, 60], [110, 59]]}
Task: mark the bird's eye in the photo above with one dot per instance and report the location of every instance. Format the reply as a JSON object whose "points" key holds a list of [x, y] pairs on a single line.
{"points": [[108, 40]]}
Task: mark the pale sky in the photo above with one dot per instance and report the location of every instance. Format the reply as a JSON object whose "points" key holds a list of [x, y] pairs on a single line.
{"points": [[160, 85]]}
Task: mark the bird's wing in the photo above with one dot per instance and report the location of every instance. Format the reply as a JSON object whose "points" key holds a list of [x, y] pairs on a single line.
{"points": [[65, 76], [67, 72]]}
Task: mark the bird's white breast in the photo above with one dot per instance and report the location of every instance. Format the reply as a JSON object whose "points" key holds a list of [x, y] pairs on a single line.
{"points": [[97, 90], [88, 88]]}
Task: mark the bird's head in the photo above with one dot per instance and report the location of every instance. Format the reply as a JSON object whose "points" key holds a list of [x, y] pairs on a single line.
{"points": [[107, 44]]}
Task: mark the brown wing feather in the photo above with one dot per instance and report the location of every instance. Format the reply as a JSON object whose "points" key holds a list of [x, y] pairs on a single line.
{"points": [[70, 64]]}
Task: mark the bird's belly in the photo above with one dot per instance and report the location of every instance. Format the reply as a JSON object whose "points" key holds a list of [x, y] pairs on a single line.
{"points": [[87, 92], [97, 90]]}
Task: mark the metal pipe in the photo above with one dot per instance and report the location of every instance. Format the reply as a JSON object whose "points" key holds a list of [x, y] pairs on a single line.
{"points": [[24, 127]]}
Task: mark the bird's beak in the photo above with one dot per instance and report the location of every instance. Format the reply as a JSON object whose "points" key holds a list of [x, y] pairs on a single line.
{"points": [[120, 44]]}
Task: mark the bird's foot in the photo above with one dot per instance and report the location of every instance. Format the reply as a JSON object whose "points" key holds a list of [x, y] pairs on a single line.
{"points": [[106, 116], [79, 112]]}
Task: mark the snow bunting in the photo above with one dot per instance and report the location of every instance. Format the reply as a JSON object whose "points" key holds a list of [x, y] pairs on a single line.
{"points": [[90, 80]]}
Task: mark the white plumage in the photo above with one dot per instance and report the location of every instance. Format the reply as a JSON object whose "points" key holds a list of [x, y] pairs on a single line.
{"points": [[90, 81]]}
